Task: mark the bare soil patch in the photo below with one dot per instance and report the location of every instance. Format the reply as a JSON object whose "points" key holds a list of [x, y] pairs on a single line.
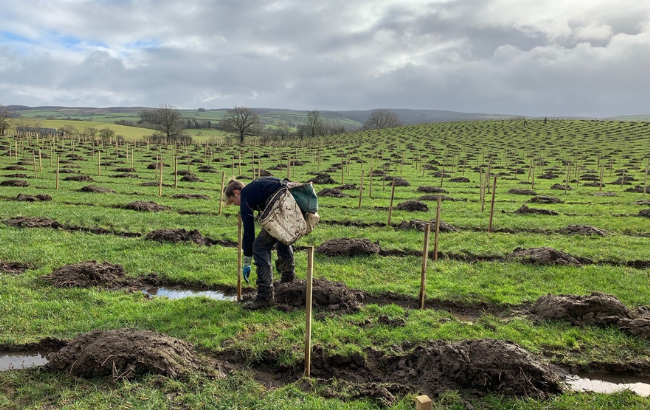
{"points": [[191, 178], [458, 179], [543, 199], [332, 192], [89, 274], [127, 353], [582, 230], [32, 222], [352, 187], [644, 213], [15, 182], [177, 236], [34, 198], [14, 168], [96, 189], [435, 198], [398, 181], [14, 268], [322, 178], [420, 225], [326, 295], [561, 187], [348, 247], [19, 176], [125, 170], [412, 206], [431, 190], [79, 178], [190, 196], [526, 210], [145, 206], [543, 256]]}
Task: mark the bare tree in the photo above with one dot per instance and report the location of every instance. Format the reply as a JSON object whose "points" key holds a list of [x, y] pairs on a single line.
{"points": [[242, 121], [314, 127], [5, 124], [382, 119], [169, 121]]}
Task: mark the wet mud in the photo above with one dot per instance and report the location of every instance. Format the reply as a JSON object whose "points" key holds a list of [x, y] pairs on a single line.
{"points": [[326, 295], [90, 274], [412, 206], [348, 247], [183, 235], [543, 256], [126, 354], [14, 268]]}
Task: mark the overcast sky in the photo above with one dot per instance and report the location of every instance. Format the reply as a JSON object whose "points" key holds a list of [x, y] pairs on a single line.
{"points": [[525, 57]]}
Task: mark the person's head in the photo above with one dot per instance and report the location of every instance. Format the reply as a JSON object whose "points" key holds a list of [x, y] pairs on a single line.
{"points": [[232, 192]]}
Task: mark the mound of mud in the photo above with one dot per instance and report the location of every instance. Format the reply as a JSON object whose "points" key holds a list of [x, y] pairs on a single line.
{"points": [[420, 225], [561, 187], [526, 210], [125, 176], [582, 230], [622, 181], [642, 202], [597, 309], [485, 366], [398, 181], [412, 206], [32, 222], [13, 268], [19, 176], [516, 191], [322, 178], [605, 194], [79, 178], [435, 198], [644, 213], [14, 168], [348, 247], [191, 178], [34, 198], [125, 170], [548, 175], [332, 192], [15, 182], [638, 189], [153, 166], [154, 183], [177, 236], [190, 196], [125, 354], [89, 274], [146, 206], [543, 256], [347, 187], [431, 190], [543, 199], [458, 179], [326, 295], [96, 189]]}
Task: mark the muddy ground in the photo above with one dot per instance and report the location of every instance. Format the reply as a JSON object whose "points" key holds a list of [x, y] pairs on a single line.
{"points": [[127, 353], [15, 182], [32, 222], [412, 206], [34, 198], [183, 235], [326, 295], [96, 189], [348, 247], [420, 225], [144, 206], [582, 230], [90, 274], [543, 256], [524, 210], [14, 268]]}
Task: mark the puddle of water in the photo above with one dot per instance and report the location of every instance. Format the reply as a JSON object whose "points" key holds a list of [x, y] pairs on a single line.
{"points": [[609, 384], [21, 360], [186, 293]]}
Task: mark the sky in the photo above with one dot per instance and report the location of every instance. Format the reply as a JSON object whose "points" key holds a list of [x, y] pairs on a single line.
{"points": [[521, 57]]}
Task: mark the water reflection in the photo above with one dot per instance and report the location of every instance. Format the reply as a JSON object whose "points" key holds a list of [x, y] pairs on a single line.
{"points": [[21, 360], [185, 293]]}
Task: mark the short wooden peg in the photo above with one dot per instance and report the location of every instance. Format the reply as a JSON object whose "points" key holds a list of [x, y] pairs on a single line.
{"points": [[423, 403]]}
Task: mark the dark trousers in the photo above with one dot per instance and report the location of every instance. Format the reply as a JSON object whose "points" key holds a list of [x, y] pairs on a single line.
{"points": [[262, 247]]}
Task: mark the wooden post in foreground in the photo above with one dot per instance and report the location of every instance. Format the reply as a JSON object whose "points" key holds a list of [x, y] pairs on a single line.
{"points": [[57, 172], [437, 231], [175, 171], [425, 257], [99, 163], [223, 177], [494, 188], [423, 403], [161, 174], [239, 257], [390, 207], [308, 293]]}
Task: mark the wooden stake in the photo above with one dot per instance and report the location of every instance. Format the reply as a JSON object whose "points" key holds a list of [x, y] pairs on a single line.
{"points": [[425, 257], [35, 175], [40, 161], [175, 172], [437, 231], [602, 174], [361, 190], [161, 176], [390, 207], [566, 183], [645, 179], [532, 186], [494, 189], [342, 170], [239, 256], [223, 178], [131, 157], [423, 403], [57, 172], [289, 168], [370, 182], [99, 163], [308, 294]]}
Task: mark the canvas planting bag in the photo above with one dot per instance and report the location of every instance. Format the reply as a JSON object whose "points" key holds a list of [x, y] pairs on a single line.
{"points": [[282, 218]]}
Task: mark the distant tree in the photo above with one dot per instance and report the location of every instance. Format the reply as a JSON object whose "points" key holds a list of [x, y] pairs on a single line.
{"points": [[91, 132], [69, 130], [4, 120], [201, 109], [380, 119], [169, 121], [283, 131], [314, 127], [241, 121]]}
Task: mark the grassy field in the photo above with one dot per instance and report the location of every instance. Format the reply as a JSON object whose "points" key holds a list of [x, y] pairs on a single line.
{"points": [[476, 290]]}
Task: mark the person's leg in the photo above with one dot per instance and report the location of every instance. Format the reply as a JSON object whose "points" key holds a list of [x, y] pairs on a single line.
{"points": [[285, 263], [262, 256]]}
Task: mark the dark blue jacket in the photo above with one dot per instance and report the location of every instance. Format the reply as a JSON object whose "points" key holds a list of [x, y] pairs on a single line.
{"points": [[253, 198]]}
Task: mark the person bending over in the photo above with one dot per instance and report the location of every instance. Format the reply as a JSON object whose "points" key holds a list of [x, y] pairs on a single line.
{"points": [[250, 198]]}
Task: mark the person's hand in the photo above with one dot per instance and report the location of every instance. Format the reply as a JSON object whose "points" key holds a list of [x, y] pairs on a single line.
{"points": [[246, 270]]}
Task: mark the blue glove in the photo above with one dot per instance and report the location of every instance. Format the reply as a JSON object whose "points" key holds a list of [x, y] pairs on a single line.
{"points": [[246, 270]]}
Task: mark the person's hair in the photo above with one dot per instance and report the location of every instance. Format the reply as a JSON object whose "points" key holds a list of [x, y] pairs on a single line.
{"points": [[229, 190]]}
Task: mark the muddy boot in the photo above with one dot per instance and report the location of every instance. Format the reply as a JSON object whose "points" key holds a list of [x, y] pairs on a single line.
{"points": [[259, 303]]}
